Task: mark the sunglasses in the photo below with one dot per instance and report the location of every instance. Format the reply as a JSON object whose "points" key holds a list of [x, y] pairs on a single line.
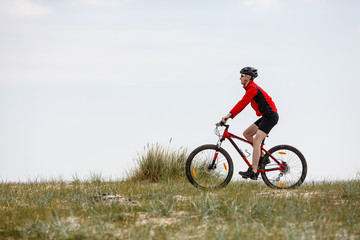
{"points": [[242, 75]]}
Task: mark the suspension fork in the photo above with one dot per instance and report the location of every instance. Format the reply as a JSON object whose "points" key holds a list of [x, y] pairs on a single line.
{"points": [[212, 166], [225, 135]]}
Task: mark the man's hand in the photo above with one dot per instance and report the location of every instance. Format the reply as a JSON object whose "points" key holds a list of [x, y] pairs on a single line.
{"points": [[224, 119]]}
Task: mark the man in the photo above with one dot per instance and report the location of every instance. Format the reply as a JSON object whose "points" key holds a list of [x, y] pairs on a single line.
{"points": [[264, 107]]}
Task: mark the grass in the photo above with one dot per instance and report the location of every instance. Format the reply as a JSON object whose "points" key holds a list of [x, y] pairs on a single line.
{"points": [[159, 164], [171, 208]]}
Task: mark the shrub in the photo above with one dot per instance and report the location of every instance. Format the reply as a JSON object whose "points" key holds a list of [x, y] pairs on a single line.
{"points": [[159, 164]]}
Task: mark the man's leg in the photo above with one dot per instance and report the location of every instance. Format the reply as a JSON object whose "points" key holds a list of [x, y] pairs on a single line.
{"points": [[265, 124], [259, 137], [249, 134]]}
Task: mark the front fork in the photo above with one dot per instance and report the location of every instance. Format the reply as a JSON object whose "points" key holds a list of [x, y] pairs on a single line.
{"points": [[212, 166]]}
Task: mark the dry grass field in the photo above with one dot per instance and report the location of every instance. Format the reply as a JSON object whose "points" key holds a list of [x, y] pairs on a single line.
{"points": [[167, 206]]}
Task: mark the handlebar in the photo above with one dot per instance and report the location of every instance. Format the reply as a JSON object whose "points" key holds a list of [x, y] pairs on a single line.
{"points": [[222, 124]]}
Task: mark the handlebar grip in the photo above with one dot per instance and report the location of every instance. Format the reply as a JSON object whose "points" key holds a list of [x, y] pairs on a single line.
{"points": [[221, 124]]}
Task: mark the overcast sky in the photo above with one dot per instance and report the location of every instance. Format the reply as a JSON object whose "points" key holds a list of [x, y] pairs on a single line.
{"points": [[85, 85]]}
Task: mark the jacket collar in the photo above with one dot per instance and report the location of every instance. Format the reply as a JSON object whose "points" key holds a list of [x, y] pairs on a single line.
{"points": [[251, 83]]}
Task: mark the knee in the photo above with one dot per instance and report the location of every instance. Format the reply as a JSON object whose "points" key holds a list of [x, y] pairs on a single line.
{"points": [[258, 140], [247, 134]]}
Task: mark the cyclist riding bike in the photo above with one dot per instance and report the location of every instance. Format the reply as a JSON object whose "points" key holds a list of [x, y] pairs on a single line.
{"points": [[264, 107]]}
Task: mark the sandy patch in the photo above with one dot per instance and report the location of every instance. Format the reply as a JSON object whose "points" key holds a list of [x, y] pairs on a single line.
{"points": [[149, 218], [288, 194], [111, 197], [181, 198]]}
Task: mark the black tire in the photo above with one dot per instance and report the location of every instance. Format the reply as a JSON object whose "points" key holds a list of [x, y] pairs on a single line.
{"points": [[295, 173], [197, 167]]}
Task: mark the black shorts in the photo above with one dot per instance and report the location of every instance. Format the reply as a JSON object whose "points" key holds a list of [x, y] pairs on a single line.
{"points": [[267, 122]]}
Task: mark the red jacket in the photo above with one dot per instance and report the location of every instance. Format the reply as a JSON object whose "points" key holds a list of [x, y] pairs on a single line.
{"points": [[261, 102]]}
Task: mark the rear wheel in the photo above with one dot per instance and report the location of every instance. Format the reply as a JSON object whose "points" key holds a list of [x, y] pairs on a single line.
{"points": [[202, 171], [292, 176]]}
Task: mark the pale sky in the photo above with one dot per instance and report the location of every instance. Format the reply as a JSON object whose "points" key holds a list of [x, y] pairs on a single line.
{"points": [[86, 84]]}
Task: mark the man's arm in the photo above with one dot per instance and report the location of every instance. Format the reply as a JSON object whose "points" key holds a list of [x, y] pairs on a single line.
{"points": [[250, 94]]}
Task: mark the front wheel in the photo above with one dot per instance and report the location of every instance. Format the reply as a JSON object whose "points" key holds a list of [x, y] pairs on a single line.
{"points": [[295, 167], [208, 168]]}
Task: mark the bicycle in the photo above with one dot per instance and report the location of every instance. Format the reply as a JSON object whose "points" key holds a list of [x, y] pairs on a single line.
{"points": [[210, 166]]}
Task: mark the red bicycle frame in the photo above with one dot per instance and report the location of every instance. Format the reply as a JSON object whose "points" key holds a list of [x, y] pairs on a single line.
{"points": [[230, 136]]}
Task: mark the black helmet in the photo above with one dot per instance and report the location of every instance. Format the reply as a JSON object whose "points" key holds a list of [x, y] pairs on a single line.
{"points": [[249, 71]]}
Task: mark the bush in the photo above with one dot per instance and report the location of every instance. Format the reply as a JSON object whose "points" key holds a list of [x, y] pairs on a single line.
{"points": [[159, 164]]}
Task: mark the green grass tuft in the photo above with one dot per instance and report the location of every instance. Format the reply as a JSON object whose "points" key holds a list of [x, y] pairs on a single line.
{"points": [[159, 164]]}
